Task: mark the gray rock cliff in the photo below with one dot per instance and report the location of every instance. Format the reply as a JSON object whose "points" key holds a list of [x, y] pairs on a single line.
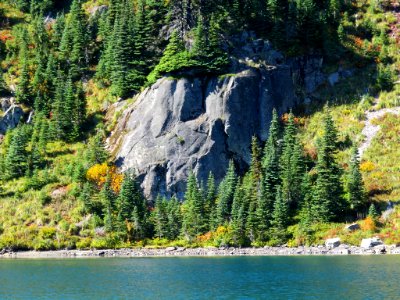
{"points": [[10, 114], [199, 124]]}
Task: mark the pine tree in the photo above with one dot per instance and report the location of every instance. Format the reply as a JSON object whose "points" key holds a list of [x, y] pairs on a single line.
{"points": [[193, 222], [280, 216], [238, 219], [96, 152], [175, 58], [218, 58], [355, 184], [174, 218], [271, 156], [225, 195], [328, 191], [68, 110], [210, 196], [23, 91], [125, 202], [160, 217], [15, 163], [131, 207], [270, 173], [121, 85], [292, 164], [142, 54], [73, 46], [58, 30], [79, 112], [252, 222], [307, 216], [86, 197], [107, 197], [199, 50], [372, 212], [58, 115]]}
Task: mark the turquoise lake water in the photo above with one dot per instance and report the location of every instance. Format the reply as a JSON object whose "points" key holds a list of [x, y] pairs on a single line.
{"points": [[349, 277]]}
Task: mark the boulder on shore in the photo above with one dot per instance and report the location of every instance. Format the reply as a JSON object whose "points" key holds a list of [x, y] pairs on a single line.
{"points": [[332, 243], [371, 242]]}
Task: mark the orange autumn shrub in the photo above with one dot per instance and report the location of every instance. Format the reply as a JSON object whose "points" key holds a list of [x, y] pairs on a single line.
{"points": [[205, 237], [98, 175], [368, 224]]}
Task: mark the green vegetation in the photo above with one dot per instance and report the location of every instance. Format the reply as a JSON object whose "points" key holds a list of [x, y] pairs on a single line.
{"points": [[58, 188]]}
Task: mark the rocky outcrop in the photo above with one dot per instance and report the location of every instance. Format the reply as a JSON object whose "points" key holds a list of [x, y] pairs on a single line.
{"points": [[198, 124], [10, 114]]}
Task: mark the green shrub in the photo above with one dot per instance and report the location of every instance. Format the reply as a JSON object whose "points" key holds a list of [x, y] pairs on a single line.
{"points": [[84, 243]]}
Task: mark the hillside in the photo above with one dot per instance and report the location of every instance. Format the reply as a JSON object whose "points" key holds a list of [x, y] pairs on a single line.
{"points": [[227, 122]]}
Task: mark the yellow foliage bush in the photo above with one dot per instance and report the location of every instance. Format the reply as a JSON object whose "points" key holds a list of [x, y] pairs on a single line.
{"points": [[367, 166], [98, 174]]}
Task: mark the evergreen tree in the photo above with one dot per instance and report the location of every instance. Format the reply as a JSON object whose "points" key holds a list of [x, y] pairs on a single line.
{"points": [[15, 163], [238, 219], [328, 191], [193, 222], [58, 118], [73, 45], [58, 29], [225, 195], [131, 207], [125, 201], [23, 91], [270, 175], [86, 197], [107, 197], [142, 54], [79, 112], [355, 184], [174, 218], [280, 216], [252, 222], [121, 85], [271, 157], [96, 152], [175, 58], [68, 110], [292, 164], [372, 212], [160, 217], [210, 196]]}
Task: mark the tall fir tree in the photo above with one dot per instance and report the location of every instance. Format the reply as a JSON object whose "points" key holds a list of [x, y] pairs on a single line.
{"points": [[225, 195], [328, 190], [16, 159], [23, 91], [355, 185], [193, 222], [291, 164], [238, 219], [107, 198], [280, 218]]}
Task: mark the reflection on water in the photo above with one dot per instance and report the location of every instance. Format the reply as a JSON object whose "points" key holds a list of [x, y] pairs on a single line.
{"points": [[349, 277]]}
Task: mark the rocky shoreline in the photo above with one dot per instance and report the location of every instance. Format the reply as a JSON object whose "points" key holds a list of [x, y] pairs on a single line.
{"points": [[208, 251]]}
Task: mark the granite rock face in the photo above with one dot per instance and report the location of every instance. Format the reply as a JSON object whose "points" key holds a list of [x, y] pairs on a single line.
{"points": [[11, 114], [199, 124]]}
